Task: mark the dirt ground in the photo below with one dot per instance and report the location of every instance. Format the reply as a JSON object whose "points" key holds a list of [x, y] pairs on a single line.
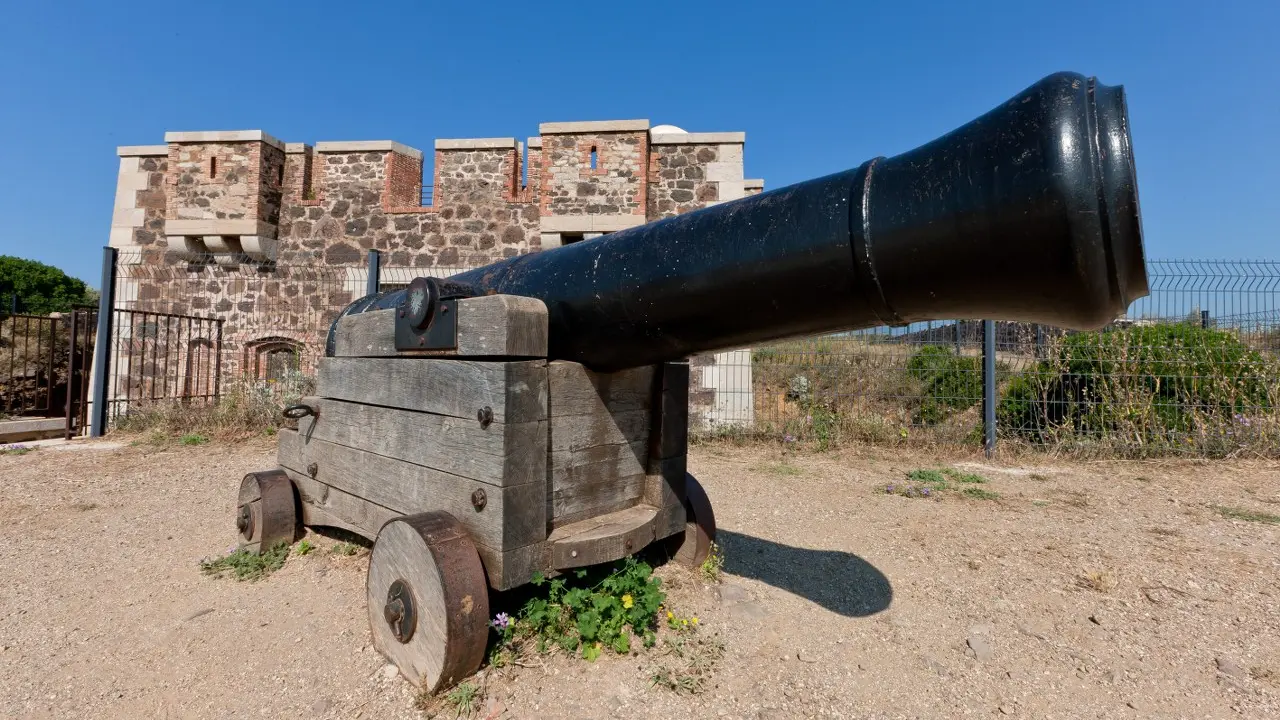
{"points": [[1087, 590]]}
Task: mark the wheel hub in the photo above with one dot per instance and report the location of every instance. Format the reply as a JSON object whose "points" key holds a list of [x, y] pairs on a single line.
{"points": [[244, 522], [399, 612]]}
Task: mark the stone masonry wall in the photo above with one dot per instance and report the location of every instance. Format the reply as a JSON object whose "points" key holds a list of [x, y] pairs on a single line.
{"points": [[619, 177], [332, 207], [229, 193]]}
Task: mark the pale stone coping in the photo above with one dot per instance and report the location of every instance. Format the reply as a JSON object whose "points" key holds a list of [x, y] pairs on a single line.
{"points": [[142, 150], [708, 138], [535, 142], [476, 144], [295, 147], [368, 146], [592, 126], [753, 183], [204, 227], [204, 136], [588, 223]]}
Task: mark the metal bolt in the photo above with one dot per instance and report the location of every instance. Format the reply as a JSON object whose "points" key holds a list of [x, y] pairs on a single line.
{"points": [[444, 309], [479, 500], [628, 543], [399, 611], [312, 469], [573, 553], [422, 340], [243, 519], [485, 416]]}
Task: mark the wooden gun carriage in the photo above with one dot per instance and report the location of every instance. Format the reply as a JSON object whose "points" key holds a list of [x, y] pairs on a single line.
{"points": [[531, 416]]}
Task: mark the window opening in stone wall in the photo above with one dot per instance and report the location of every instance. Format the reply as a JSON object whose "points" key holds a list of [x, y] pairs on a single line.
{"points": [[280, 175], [570, 238], [213, 167], [593, 157], [275, 360]]}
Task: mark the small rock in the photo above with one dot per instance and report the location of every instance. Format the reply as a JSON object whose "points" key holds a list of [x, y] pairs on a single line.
{"points": [[747, 610], [321, 706], [1096, 619], [1006, 710], [1133, 705], [390, 672], [1230, 668], [981, 647], [806, 657]]}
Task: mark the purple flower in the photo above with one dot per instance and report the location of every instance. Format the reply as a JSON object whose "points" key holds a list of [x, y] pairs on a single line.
{"points": [[889, 489], [501, 621], [925, 492], [789, 438]]}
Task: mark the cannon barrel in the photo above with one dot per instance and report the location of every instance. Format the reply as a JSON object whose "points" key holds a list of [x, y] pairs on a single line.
{"points": [[1028, 213]]}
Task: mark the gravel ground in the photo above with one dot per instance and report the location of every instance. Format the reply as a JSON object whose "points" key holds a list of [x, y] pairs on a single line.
{"points": [[1090, 590]]}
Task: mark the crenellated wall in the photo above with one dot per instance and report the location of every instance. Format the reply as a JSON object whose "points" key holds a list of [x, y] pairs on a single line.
{"points": [[273, 237]]}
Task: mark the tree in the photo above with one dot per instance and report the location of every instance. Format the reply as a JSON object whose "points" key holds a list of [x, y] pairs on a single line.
{"points": [[41, 289]]}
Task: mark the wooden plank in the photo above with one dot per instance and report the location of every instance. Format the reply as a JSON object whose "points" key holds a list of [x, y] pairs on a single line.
{"points": [[502, 454], [665, 483], [603, 538], [515, 391], [673, 411], [512, 516], [575, 390], [620, 459], [490, 326], [505, 569], [594, 492], [574, 433]]}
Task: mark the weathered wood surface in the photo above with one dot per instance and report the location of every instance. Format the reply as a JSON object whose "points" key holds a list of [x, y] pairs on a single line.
{"points": [[502, 454], [268, 498], [515, 391], [603, 538], [434, 556], [329, 507], [575, 390], [512, 516], [668, 447], [490, 326]]}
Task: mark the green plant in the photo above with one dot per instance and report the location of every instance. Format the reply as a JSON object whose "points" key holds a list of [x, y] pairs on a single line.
{"points": [[1247, 515], [978, 493], [304, 547], [1161, 388], [465, 699], [245, 564], [588, 610], [17, 449], [710, 568], [244, 410], [345, 548], [950, 382], [963, 477], [193, 439], [41, 289]]}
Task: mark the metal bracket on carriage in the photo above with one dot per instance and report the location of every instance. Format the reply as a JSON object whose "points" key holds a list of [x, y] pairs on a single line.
{"points": [[427, 316]]}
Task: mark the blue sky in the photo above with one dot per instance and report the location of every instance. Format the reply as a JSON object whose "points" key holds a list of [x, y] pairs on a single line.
{"points": [[817, 87]]}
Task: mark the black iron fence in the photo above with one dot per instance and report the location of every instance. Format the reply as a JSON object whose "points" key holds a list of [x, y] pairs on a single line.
{"points": [[159, 356], [1192, 368], [44, 364]]}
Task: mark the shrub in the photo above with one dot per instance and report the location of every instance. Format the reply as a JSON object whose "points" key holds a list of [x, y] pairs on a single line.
{"points": [[951, 382], [246, 409], [1153, 385]]}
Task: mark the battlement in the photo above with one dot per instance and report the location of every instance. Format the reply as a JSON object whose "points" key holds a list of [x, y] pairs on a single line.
{"points": [[245, 196]]}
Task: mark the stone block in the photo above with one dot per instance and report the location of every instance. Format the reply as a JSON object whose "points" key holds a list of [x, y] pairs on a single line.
{"points": [[718, 171], [592, 126], [551, 240], [732, 189], [714, 138], [731, 153], [142, 150], [477, 144], [213, 136], [362, 146]]}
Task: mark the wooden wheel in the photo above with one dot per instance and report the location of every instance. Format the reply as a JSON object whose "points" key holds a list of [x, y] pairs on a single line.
{"points": [[693, 547], [428, 599], [266, 513]]}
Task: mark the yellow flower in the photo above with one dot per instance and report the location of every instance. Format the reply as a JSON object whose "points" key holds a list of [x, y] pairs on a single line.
{"points": [[670, 615], [695, 621], [627, 601]]}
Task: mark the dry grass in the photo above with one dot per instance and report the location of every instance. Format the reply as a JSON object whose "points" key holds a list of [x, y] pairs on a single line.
{"points": [[245, 410], [1103, 581]]}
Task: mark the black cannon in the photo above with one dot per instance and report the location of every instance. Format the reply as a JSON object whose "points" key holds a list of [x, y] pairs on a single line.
{"points": [[530, 416], [1028, 213]]}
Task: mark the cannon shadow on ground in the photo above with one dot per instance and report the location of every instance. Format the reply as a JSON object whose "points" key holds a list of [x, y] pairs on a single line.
{"points": [[838, 581]]}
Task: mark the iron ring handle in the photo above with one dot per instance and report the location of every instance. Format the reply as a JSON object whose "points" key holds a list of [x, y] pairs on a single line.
{"points": [[299, 411]]}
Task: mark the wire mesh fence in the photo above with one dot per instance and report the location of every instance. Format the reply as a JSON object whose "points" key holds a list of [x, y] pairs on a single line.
{"points": [[1192, 368]]}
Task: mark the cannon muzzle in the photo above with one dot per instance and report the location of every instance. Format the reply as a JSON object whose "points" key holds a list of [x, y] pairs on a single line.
{"points": [[1028, 213]]}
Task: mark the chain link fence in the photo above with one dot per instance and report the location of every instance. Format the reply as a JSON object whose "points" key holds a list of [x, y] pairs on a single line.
{"points": [[1192, 368]]}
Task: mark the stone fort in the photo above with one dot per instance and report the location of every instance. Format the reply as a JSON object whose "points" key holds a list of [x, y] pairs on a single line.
{"points": [[273, 238]]}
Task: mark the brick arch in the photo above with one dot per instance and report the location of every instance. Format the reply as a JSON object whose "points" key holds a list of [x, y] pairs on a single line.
{"points": [[267, 358]]}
